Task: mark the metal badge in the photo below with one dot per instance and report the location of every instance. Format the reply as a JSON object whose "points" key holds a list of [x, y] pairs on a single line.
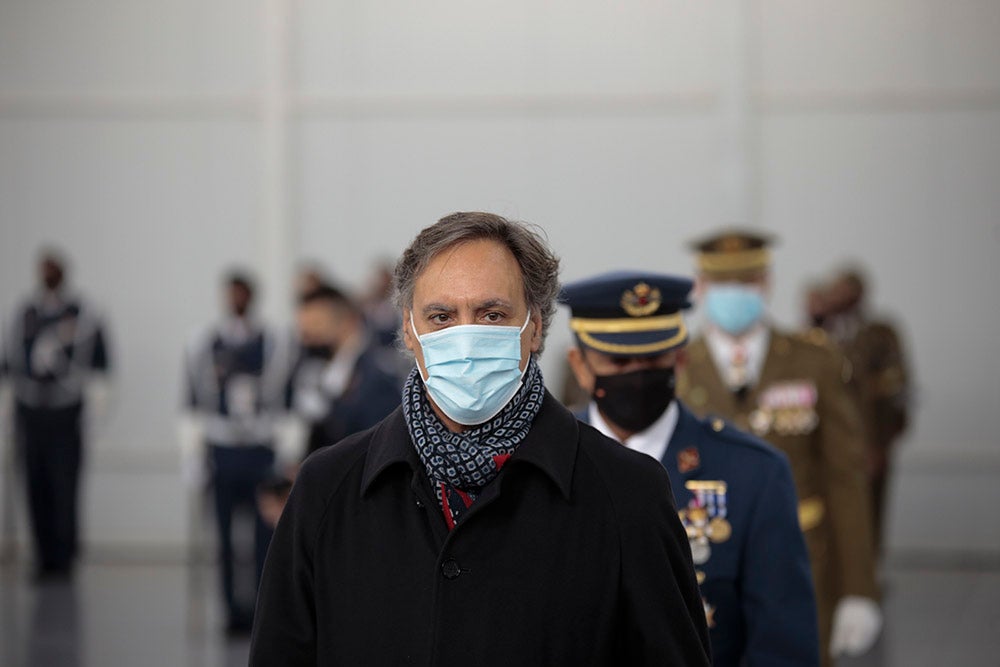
{"points": [[688, 459], [704, 518], [641, 300]]}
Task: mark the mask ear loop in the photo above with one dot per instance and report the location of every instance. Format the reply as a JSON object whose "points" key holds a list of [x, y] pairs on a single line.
{"points": [[523, 326], [413, 330]]}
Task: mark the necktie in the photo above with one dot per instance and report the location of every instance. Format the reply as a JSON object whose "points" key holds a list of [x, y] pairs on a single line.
{"points": [[738, 376]]}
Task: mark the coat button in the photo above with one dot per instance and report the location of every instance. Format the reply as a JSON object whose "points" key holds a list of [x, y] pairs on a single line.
{"points": [[450, 568]]}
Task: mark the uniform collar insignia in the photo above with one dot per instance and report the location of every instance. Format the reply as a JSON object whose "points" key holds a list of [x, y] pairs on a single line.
{"points": [[688, 460]]}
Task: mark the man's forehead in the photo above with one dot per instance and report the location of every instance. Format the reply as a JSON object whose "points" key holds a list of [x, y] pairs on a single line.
{"points": [[477, 272]]}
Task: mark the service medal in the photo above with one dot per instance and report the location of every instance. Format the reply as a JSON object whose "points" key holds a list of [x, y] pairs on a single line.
{"points": [[700, 551], [760, 421], [719, 530]]}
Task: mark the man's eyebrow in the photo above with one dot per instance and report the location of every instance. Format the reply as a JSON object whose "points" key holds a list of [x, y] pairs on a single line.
{"points": [[438, 308], [484, 305], [495, 303]]}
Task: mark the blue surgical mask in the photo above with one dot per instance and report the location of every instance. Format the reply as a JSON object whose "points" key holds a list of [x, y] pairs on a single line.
{"points": [[473, 370], [734, 307]]}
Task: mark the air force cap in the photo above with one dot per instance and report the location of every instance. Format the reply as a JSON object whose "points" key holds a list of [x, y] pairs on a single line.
{"points": [[629, 313]]}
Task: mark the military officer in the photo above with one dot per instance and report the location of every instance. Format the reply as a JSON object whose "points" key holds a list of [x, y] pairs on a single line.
{"points": [[792, 392], [880, 378], [736, 493]]}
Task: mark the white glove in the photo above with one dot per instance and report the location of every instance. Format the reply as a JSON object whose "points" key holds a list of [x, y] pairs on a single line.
{"points": [[289, 441], [857, 622], [97, 402], [311, 404], [6, 408], [191, 439], [6, 418]]}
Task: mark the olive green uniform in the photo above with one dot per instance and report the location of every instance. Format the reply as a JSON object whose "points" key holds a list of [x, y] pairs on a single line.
{"points": [[802, 405], [881, 384]]}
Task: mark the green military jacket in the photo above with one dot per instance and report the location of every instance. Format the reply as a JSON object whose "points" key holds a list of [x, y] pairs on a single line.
{"points": [[880, 377], [802, 405]]}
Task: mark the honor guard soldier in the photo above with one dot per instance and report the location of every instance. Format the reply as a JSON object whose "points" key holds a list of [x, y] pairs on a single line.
{"points": [[57, 357], [793, 393], [735, 493], [237, 380]]}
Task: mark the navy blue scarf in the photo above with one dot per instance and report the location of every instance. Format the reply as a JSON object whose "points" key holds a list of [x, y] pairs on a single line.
{"points": [[459, 465]]}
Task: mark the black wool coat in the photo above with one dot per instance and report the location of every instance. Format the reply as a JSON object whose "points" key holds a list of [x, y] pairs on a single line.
{"points": [[573, 555]]}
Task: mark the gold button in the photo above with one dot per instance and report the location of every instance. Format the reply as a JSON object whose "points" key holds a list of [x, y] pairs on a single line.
{"points": [[718, 425]]}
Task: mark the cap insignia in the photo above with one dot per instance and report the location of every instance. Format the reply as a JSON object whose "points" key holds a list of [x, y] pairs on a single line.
{"points": [[732, 244], [641, 300]]}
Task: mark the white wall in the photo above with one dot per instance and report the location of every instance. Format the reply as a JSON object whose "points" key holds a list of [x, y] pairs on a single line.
{"points": [[160, 142]]}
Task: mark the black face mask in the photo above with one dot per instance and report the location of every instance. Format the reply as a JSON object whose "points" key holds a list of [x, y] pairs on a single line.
{"points": [[635, 400], [324, 352]]}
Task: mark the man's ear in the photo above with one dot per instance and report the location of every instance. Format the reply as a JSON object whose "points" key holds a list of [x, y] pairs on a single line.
{"points": [[408, 334], [682, 358], [699, 287], [581, 371], [765, 285], [536, 335]]}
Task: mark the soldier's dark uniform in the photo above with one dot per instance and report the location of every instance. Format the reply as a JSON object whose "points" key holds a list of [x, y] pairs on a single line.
{"points": [[55, 345], [800, 403], [735, 492], [237, 383]]}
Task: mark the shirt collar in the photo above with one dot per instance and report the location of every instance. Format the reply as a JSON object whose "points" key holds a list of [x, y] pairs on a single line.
{"points": [[755, 343], [550, 446], [653, 441], [338, 373]]}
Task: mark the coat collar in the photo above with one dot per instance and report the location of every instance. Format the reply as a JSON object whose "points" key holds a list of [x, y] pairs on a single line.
{"points": [[550, 446]]}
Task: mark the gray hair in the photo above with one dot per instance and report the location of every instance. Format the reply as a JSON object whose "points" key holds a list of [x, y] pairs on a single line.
{"points": [[539, 266]]}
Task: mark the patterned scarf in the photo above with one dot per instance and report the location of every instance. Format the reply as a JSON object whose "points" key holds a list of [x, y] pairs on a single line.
{"points": [[459, 465]]}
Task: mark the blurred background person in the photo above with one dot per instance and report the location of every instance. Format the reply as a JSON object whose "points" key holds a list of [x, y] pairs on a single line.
{"points": [[792, 393], [310, 360], [735, 493], [236, 377], [349, 382], [880, 376], [310, 277], [381, 314], [58, 358], [816, 305]]}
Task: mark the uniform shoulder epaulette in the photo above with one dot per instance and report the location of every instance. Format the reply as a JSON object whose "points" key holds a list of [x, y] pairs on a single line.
{"points": [[881, 329], [720, 428], [816, 337]]}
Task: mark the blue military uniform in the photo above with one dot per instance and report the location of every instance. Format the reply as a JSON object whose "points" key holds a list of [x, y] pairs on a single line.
{"points": [[735, 493]]}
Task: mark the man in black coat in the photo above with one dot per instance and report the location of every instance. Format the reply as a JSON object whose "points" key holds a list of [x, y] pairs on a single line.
{"points": [[479, 523]]}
